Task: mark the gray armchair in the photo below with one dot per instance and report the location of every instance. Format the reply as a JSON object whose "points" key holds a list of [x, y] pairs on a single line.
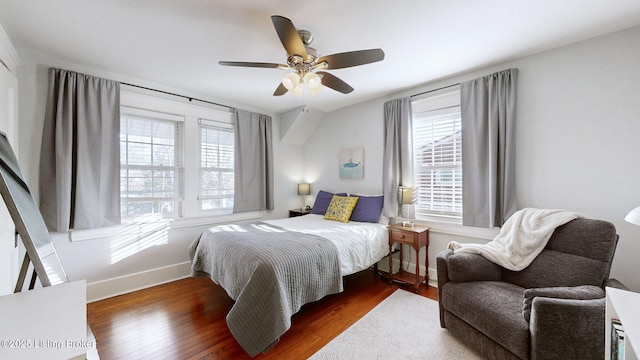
{"points": [[553, 309]]}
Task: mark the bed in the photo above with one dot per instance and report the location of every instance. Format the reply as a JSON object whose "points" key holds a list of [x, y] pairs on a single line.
{"points": [[272, 268]]}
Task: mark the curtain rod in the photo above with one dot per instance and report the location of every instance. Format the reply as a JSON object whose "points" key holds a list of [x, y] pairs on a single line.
{"points": [[430, 91], [178, 95]]}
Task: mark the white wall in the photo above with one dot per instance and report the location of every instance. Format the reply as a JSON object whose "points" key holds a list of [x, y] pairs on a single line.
{"points": [[358, 126], [9, 126], [167, 257], [578, 120], [578, 147], [578, 140]]}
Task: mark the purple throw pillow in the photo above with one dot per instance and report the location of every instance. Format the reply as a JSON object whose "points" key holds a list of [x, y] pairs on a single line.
{"points": [[368, 208], [322, 202]]}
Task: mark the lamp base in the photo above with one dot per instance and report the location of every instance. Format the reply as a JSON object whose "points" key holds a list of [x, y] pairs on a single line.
{"points": [[407, 223], [407, 211]]}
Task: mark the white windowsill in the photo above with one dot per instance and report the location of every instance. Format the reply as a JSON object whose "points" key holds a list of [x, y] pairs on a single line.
{"points": [[214, 220], [180, 223], [459, 230]]}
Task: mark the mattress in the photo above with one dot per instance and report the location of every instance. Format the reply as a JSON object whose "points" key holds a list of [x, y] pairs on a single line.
{"points": [[360, 244]]}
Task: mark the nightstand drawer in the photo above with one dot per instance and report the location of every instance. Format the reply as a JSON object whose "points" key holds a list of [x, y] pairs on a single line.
{"points": [[403, 237]]}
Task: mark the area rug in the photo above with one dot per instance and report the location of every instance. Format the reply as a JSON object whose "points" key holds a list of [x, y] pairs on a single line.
{"points": [[403, 326]]}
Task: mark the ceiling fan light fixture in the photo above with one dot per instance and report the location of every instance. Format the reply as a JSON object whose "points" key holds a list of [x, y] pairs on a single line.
{"points": [[297, 91], [291, 81], [315, 91], [312, 80]]}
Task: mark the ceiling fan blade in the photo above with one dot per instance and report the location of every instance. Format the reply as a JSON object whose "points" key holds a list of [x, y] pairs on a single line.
{"points": [[334, 82], [251, 64], [289, 36], [281, 90], [352, 58]]}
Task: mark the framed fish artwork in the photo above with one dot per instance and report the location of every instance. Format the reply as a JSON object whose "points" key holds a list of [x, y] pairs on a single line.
{"points": [[351, 163]]}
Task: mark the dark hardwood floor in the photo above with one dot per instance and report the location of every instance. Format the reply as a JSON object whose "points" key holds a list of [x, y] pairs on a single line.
{"points": [[185, 319]]}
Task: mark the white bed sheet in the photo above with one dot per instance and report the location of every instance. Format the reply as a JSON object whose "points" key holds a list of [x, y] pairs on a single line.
{"points": [[359, 244]]}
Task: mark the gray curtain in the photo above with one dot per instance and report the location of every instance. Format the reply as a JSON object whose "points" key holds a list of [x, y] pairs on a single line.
{"points": [[80, 154], [397, 166], [253, 177], [488, 109]]}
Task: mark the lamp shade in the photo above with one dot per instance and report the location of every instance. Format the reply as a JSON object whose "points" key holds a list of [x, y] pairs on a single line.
{"points": [[304, 189], [633, 216], [297, 91], [291, 80], [405, 195], [313, 82]]}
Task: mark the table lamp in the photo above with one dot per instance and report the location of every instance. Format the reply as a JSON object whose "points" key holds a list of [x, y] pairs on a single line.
{"points": [[304, 189], [405, 197]]}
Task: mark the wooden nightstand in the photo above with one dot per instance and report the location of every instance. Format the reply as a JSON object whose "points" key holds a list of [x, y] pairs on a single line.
{"points": [[416, 237], [298, 212]]}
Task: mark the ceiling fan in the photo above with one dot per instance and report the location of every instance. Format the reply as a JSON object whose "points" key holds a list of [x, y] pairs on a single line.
{"points": [[306, 61]]}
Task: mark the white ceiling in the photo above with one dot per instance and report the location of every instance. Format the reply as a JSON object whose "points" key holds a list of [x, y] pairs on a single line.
{"points": [[176, 44]]}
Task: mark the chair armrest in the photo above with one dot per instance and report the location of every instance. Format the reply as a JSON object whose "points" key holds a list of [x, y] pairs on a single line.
{"points": [[441, 267], [567, 328], [614, 283], [462, 267], [443, 277], [581, 292], [466, 267]]}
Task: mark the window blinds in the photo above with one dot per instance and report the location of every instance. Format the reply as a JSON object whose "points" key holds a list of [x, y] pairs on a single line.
{"points": [[437, 149], [150, 163], [216, 171]]}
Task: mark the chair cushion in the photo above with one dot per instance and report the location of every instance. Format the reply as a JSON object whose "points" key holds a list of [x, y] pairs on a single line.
{"points": [[595, 239], [554, 268], [493, 308], [579, 252]]}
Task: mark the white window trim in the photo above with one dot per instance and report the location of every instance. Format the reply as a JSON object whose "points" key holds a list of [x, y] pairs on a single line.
{"points": [[133, 111], [191, 114], [434, 103], [451, 228]]}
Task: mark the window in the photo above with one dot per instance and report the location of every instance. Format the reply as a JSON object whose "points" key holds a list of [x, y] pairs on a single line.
{"points": [[215, 190], [437, 150], [176, 168], [176, 160], [150, 163]]}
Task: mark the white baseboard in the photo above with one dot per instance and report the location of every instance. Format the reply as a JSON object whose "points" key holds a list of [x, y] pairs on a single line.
{"points": [[433, 277], [410, 267], [125, 284]]}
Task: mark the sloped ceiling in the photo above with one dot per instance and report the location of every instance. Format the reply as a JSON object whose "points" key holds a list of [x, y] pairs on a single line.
{"points": [[173, 44], [297, 125]]}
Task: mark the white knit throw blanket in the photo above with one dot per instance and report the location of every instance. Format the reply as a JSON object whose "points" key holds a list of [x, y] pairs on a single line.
{"points": [[521, 238]]}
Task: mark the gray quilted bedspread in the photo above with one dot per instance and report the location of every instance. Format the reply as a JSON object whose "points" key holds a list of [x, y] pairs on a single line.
{"points": [[269, 272]]}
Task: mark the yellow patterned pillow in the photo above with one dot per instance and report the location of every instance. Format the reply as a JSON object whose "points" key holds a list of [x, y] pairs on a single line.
{"points": [[340, 208]]}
